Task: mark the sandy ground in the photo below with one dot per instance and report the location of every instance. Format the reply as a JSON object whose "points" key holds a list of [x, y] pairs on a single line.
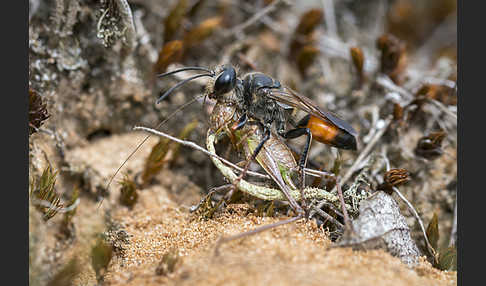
{"points": [[299, 253]]}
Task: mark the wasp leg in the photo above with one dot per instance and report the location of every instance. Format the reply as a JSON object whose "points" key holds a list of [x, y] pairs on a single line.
{"points": [[266, 136], [241, 122]]}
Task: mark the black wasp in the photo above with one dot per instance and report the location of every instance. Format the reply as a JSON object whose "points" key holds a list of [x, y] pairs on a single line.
{"points": [[262, 100]]}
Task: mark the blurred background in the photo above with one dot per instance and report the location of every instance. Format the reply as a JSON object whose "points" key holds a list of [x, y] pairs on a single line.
{"points": [[93, 69]]}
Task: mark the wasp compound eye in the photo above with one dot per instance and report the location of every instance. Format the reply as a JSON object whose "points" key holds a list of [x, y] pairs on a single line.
{"points": [[226, 81]]}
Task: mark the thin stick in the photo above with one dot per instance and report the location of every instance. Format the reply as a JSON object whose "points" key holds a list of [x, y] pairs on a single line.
{"points": [[416, 215], [328, 217], [199, 148], [386, 82], [318, 173], [212, 190], [239, 28], [452, 240], [444, 109], [347, 222], [252, 232], [330, 18], [366, 150], [47, 204]]}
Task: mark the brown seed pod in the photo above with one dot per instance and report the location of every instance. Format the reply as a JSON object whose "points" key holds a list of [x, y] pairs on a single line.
{"points": [[303, 33], [397, 112], [394, 178], [358, 58], [442, 93], [309, 21], [306, 57], [358, 61], [201, 32], [37, 111], [393, 56], [429, 147]]}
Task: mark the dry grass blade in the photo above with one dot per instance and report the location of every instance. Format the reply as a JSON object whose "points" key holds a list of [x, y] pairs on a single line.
{"points": [[43, 191], [199, 148], [155, 161], [172, 52], [261, 14], [174, 19], [101, 254], [128, 191], [66, 275], [164, 152], [448, 258], [186, 131], [168, 262], [433, 231], [431, 250]]}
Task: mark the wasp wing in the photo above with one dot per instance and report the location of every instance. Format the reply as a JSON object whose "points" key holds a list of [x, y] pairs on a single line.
{"points": [[292, 98]]}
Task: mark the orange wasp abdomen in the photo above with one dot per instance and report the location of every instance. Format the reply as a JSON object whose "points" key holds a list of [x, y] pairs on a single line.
{"points": [[328, 133]]}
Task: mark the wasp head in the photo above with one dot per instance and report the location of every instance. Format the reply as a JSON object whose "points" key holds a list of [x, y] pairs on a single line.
{"points": [[226, 81]]}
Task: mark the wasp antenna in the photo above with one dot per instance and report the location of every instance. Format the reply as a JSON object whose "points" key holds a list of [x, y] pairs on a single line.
{"points": [[179, 84], [186, 69]]}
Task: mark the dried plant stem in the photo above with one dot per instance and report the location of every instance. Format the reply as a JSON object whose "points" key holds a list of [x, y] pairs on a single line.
{"points": [[452, 240], [47, 204], [239, 28], [442, 107], [416, 215], [199, 148], [386, 82], [328, 217], [252, 232], [347, 222], [329, 17], [366, 150]]}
